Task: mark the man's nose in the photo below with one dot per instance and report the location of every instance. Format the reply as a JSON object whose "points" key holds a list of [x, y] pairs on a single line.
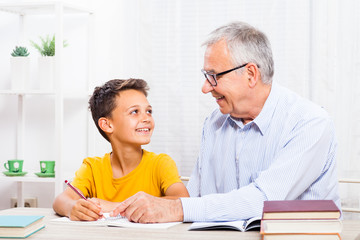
{"points": [[206, 87]]}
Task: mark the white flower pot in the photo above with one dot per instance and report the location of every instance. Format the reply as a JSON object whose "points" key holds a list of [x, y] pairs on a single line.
{"points": [[46, 70], [20, 72]]}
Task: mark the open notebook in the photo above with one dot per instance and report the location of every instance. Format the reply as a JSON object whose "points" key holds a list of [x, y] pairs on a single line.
{"points": [[118, 221]]}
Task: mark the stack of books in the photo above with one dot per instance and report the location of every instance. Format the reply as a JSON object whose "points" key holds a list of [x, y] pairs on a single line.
{"points": [[301, 220], [16, 226]]}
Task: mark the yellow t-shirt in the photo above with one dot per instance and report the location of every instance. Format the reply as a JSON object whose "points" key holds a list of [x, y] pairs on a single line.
{"points": [[154, 174]]}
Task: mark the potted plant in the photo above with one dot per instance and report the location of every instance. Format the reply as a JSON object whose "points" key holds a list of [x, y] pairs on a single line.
{"points": [[20, 51], [20, 67], [46, 61]]}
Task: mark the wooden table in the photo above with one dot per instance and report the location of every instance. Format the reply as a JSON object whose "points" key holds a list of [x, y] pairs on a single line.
{"points": [[351, 230]]}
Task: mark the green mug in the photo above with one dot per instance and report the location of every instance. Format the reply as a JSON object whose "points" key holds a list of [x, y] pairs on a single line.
{"points": [[47, 166], [14, 165]]}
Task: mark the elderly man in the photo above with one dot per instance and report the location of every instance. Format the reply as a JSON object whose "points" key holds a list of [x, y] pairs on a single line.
{"points": [[263, 143]]}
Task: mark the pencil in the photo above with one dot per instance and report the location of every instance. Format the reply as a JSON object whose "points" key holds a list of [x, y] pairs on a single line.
{"points": [[75, 190]]}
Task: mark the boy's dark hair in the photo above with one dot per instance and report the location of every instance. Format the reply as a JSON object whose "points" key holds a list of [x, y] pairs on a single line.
{"points": [[103, 100]]}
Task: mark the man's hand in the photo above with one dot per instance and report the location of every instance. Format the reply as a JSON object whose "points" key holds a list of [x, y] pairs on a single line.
{"points": [[85, 210], [144, 208]]}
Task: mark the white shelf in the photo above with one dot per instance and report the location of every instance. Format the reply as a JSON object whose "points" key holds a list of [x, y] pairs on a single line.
{"points": [[71, 95], [76, 95], [36, 8], [25, 92], [29, 177], [56, 9]]}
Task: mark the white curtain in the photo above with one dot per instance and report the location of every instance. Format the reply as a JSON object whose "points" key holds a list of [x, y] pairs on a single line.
{"points": [[316, 52]]}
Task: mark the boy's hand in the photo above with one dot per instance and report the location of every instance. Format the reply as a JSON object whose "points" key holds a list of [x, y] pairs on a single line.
{"points": [[106, 206], [86, 210]]}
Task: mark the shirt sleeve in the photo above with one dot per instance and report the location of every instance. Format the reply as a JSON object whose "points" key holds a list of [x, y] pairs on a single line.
{"points": [[302, 160], [84, 179], [168, 172]]}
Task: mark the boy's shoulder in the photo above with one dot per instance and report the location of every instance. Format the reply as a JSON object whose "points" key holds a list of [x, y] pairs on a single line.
{"points": [[151, 156], [97, 160], [161, 163]]}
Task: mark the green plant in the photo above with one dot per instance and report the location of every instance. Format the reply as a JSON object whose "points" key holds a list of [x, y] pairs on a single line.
{"points": [[47, 46], [20, 51]]}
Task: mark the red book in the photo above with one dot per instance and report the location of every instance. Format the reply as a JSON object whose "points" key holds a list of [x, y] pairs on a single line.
{"points": [[300, 209]]}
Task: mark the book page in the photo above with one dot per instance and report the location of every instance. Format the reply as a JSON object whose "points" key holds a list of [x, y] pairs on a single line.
{"points": [[241, 225], [253, 223], [66, 220], [118, 221], [123, 222], [233, 225]]}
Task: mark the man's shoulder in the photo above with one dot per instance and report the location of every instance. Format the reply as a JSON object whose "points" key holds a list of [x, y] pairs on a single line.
{"points": [[298, 106]]}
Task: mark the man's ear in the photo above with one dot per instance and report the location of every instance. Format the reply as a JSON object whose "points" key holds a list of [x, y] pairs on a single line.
{"points": [[253, 74], [105, 125]]}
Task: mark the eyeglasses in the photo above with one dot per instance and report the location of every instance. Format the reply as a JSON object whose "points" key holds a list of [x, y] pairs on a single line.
{"points": [[211, 77]]}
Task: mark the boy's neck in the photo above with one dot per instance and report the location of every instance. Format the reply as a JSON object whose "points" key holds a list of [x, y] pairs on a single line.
{"points": [[124, 160]]}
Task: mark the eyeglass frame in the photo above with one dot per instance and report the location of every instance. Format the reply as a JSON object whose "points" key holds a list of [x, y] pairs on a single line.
{"points": [[214, 75]]}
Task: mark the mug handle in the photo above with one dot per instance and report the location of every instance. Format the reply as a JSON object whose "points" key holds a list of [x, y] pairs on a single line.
{"points": [[7, 167]]}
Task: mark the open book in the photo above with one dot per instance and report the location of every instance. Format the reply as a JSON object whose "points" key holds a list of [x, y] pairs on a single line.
{"points": [[118, 221], [244, 225]]}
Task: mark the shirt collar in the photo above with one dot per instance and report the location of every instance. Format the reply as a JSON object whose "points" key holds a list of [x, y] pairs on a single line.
{"points": [[264, 118]]}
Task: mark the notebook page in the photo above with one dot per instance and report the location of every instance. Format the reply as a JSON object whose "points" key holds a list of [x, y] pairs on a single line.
{"points": [[117, 221]]}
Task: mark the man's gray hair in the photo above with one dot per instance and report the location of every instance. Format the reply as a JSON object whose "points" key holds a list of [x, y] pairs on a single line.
{"points": [[246, 44]]}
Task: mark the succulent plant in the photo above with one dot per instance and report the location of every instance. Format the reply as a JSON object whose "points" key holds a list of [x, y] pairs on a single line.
{"points": [[47, 46], [20, 51]]}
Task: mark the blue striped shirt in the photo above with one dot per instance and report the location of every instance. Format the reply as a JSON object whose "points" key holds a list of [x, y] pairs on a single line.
{"points": [[287, 152]]}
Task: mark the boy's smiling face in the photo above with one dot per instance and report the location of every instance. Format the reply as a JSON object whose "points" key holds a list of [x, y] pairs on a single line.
{"points": [[131, 120]]}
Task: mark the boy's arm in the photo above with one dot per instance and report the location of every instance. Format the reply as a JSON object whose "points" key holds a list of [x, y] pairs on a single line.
{"points": [[176, 191], [71, 205], [171, 185]]}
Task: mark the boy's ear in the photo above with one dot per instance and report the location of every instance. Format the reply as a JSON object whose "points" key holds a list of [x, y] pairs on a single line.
{"points": [[105, 125]]}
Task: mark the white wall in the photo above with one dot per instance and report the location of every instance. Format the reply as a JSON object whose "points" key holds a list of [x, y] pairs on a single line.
{"points": [[315, 45]]}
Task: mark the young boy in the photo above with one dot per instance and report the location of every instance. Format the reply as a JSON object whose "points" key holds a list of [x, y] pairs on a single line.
{"points": [[123, 116]]}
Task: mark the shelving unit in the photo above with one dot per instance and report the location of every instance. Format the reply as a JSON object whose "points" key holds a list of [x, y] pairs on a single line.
{"points": [[57, 9]]}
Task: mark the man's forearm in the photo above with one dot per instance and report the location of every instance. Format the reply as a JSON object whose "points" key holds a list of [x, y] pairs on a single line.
{"points": [[176, 210]]}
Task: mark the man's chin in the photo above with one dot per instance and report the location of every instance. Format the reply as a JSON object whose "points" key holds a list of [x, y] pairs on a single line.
{"points": [[224, 110]]}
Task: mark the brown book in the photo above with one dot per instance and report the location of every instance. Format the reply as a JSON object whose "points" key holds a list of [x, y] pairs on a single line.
{"points": [[300, 209], [302, 236]]}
